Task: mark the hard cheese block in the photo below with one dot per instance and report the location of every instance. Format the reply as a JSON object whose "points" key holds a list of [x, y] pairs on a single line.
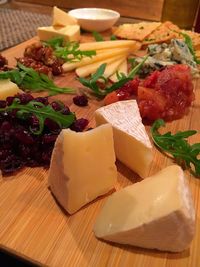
{"points": [[61, 18], [132, 144], [69, 33], [156, 213], [8, 88], [82, 166]]}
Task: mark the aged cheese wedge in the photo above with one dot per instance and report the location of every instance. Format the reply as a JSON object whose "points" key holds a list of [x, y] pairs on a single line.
{"points": [[99, 57], [156, 213], [82, 167], [69, 33], [110, 44], [123, 68], [8, 88], [132, 144], [61, 18], [85, 71]]}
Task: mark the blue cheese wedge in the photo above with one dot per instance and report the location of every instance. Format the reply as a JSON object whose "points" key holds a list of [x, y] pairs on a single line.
{"points": [[132, 144], [157, 213], [82, 166]]}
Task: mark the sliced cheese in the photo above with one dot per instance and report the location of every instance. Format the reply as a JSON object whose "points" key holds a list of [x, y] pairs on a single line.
{"points": [[62, 18], [69, 33], [99, 57], [112, 67], [82, 166], [156, 213], [109, 45], [132, 144], [123, 68], [8, 88], [85, 71]]}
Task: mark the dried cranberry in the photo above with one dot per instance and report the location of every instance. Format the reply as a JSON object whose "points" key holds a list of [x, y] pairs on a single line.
{"points": [[79, 125], [80, 100]]}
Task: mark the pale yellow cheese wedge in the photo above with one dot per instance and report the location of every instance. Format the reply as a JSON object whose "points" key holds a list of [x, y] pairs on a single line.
{"points": [[82, 166], [109, 44], [91, 68], [8, 88], [100, 56], [123, 68], [157, 213], [69, 33], [62, 18], [112, 67]]}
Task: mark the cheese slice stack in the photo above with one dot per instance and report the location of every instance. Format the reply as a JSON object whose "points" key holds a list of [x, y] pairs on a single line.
{"points": [[8, 88], [156, 213], [82, 166], [132, 144]]}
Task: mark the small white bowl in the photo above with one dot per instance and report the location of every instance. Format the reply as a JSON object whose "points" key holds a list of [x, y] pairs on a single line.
{"points": [[95, 19]]}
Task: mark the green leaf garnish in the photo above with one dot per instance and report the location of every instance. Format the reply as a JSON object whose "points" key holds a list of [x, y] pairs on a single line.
{"points": [[29, 79], [68, 51], [177, 145], [42, 112], [54, 42], [188, 41], [98, 75], [113, 37], [97, 36]]}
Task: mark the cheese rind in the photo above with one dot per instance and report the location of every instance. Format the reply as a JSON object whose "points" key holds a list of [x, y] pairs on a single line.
{"points": [[82, 166], [156, 213], [132, 144], [8, 88], [62, 18], [69, 33]]}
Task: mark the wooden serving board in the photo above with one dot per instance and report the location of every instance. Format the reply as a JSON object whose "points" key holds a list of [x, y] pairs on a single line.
{"points": [[33, 225]]}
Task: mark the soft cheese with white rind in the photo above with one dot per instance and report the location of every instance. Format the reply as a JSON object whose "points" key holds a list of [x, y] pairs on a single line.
{"points": [[62, 18], [69, 33], [8, 88], [132, 144], [156, 213], [82, 166]]}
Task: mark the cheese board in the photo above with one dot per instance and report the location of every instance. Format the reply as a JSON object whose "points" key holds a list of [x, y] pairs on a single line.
{"points": [[35, 226]]}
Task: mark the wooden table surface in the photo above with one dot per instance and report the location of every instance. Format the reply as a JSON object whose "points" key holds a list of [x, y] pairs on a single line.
{"points": [[33, 225]]}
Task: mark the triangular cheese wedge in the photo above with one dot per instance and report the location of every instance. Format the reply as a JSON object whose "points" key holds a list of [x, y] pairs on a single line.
{"points": [[8, 88], [156, 213], [132, 144], [62, 18], [82, 166]]}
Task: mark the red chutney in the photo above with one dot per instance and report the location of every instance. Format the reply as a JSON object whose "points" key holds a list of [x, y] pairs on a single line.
{"points": [[166, 94]]}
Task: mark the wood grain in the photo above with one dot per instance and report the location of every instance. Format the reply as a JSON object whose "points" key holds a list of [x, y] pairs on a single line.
{"points": [[33, 225], [147, 10]]}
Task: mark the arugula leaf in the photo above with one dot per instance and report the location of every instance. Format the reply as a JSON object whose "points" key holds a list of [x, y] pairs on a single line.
{"points": [[54, 42], [122, 79], [177, 145], [29, 79], [189, 43], [97, 36], [68, 51], [113, 37], [42, 112]]}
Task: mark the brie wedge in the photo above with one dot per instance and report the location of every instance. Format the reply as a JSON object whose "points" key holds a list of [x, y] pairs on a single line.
{"points": [[8, 88], [132, 144], [82, 166], [156, 213]]}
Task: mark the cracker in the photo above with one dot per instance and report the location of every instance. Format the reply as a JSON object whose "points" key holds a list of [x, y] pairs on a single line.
{"points": [[137, 31], [163, 34]]}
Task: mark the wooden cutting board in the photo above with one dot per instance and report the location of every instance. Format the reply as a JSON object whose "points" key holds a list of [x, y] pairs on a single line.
{"points": [[33, 225]]}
